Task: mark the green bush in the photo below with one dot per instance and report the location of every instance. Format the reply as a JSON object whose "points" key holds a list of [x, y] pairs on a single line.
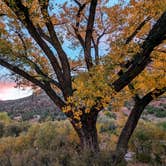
{"points": [[143, 157], [12, 130], [149, 143], [157, 111], [110, 114], [15, 129], [106, 122], [111, 127], [162, 125], [4, 117], [151, 110], [161, 113]]}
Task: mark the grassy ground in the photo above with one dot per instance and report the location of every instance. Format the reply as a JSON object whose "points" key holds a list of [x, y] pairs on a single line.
{"points": [[54, 143]]}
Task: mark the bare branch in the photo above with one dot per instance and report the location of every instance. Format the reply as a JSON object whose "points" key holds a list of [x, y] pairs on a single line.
{"points": [[56, 99], [78, 3], [44, 35], [96, 48]]}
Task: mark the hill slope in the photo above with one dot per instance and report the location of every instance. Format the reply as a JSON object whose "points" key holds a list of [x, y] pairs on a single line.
{"points": [[30, 106], [40, 106]]}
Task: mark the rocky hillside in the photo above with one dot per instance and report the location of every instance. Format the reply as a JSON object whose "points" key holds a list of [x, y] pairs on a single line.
{"points": [[30, 107], [40, 107]]}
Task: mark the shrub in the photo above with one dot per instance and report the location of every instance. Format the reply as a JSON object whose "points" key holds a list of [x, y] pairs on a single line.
{"points": [[150, 109], [4, 117], [106, 123], [162, 125], [148, 142], [55, 143], [161, 113], [110, 114], [1, 129], [12, 130], [15, 129], [45, 136], [157, 111], [108, 127]]}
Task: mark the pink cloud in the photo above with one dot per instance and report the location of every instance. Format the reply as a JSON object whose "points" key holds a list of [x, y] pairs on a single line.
{"points": [[9, 92], [4, 85]]}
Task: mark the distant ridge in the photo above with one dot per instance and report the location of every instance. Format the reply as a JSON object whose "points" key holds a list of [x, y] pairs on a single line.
{"points": [[27, 107]]}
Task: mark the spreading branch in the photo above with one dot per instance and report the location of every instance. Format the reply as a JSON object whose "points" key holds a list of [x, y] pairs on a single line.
{"points": [[23, 15], [130, 38], [53, 36], [44, 35], [21, 73], [89, 31], [76, 27], [61, 53], [141, 59], [56, 99], [33, 64]]}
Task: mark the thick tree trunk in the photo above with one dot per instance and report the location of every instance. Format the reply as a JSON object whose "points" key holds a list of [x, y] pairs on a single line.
{"points": [[88, 132], [126, 132], [131, 124], [89, 138]]}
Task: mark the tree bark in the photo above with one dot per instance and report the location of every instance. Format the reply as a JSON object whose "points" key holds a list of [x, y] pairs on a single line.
{"points": [[88, 132], [89, 139], [131, 124], [141, 59], [126, 133]]}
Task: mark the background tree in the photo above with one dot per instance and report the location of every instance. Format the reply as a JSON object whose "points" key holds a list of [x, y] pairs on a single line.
{"points": [[33, 37]]}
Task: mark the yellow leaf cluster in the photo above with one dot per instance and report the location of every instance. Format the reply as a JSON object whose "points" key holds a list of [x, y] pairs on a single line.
{"points": [[91, 88]]}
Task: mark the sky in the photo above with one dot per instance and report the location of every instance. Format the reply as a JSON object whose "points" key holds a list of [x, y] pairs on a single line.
{"points": [[9, 92], [7, 88]]}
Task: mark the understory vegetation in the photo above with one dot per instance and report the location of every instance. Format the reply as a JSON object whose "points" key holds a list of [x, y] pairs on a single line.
{"points": [[54, 143], [157, 111]]}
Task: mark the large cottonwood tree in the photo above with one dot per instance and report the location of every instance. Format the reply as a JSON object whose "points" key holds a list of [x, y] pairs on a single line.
{"points": [[33, 37]]}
